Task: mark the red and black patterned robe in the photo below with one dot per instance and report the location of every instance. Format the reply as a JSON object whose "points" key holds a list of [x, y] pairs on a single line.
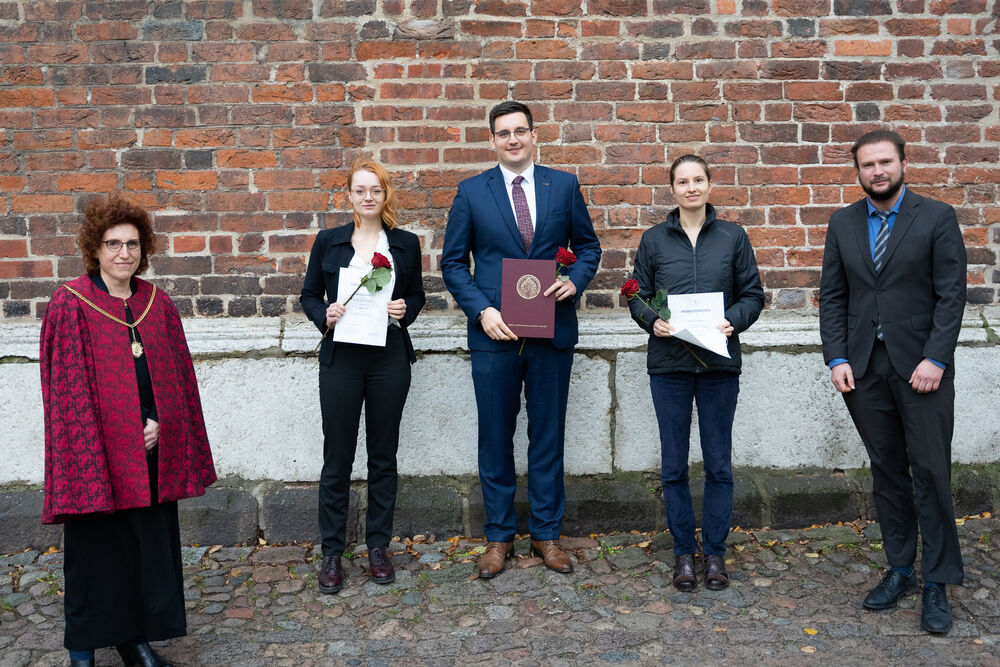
{"points": [[95, 459]]}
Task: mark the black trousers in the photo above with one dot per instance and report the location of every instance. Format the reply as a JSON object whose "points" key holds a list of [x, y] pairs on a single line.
{"points": [[906, 434], [378, 378]]}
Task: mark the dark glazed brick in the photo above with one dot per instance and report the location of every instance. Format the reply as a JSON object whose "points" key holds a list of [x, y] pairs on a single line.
{"points": [[176, 74], [327, 72], [169, 10], [245, 307], [659, 51], [866, 111], [862, 7], [230, 285], [198, 159], [801, 27], [209, 306], [16, 309], [173, 31], [980, 295], [346, 8], [151, 158], [273, 306], [375, 30]]}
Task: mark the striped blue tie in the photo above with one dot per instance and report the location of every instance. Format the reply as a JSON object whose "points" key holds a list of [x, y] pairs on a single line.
{"points": [[881, 240]]}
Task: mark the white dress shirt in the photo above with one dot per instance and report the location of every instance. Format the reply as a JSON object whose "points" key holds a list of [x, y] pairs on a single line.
{"points": [[528, 185]]}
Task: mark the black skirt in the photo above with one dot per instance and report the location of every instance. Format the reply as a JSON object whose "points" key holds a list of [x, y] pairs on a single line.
{"points": [[124, 579]]}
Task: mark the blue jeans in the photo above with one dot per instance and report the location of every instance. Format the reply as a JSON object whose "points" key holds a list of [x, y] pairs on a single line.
{"points": [[715, 393]]}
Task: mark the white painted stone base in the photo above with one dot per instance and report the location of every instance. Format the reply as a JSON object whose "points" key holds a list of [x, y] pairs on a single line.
{"points": [[259, 388]]}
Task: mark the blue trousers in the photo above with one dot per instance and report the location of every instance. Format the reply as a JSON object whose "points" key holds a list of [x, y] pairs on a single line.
{"points": [[498, 377], [715, 393]]}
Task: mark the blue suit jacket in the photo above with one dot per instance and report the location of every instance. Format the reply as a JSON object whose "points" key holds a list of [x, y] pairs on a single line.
{"points": [[481, 223]]}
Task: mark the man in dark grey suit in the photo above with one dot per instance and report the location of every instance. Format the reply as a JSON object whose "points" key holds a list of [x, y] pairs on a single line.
{"points": [[891, 300]]}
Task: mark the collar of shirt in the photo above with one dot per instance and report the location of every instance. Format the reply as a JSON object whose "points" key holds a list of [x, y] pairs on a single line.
{"points": [[892, 211], [509, 176]]}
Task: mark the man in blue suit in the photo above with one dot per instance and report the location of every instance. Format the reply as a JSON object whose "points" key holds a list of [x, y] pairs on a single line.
{"points": [[519, 210]]}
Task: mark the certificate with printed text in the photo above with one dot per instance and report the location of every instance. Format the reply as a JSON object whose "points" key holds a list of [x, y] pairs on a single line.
{"points": [[696, 318], [365, 317]]}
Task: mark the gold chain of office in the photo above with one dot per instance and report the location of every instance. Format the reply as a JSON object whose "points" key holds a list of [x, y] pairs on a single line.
{"points": [[137, 350]]}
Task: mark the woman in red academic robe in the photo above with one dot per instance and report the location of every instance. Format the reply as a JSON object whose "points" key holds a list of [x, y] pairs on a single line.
{"points": [[124, 440]]}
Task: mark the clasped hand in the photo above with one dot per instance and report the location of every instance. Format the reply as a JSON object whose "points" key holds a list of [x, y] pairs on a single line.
{"points": [[493, 324], [663, 328], [335, 311]]}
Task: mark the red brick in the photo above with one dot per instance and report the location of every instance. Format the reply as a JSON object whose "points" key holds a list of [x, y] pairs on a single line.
{"points": [[813, 90], [104, 32], [491, 28], [826, 113], [205, 137], [409, 91], [651, 112], [300, 243], [423, 134], [41, 204], [26, 97], [264, 94], [863, 47], [788, 154], [617, 7], [926, 113], [183, 244], [25, 269], [13, 249], [545, 48], [953, 47], [87, 182], [546, 90], [703, 112], [608, 175], [243, 159], [763, 195], [696, 90], [663, 71], [585, 111], [797, 49], [751, 91], [298, 201], [283, 179], [187, 180], [58, 54], [410, 155]]}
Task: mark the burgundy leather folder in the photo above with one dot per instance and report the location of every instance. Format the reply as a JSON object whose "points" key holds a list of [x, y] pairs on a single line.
{"points": [[524, 309]]}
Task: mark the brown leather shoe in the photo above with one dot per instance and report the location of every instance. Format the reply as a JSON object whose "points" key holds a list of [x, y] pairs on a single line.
{"points": [[553, 555], [684, 579], [380, 567], [492, 561], [331, 575], [715, 573]]}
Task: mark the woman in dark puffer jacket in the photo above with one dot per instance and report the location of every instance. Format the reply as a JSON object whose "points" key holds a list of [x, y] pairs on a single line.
{"points": [[694, 252]]}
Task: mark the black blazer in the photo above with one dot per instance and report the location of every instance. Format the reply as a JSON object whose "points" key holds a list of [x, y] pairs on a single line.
{"points": [[332, 250], [919, 294]]}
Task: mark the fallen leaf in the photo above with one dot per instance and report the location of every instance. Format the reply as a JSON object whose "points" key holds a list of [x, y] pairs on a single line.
{"points": [[811, 554], [810, 631], [959, 522], [643, 545], [215, 548], [977, 641], [236, 572], [808, 649]]}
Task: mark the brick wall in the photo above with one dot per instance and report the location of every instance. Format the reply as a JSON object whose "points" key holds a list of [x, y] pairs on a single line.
{"points": [[234, 120]]}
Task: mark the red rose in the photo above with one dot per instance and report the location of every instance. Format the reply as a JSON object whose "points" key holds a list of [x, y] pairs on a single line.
{"points": [[630, 289], [380, 261], [565, 257]]}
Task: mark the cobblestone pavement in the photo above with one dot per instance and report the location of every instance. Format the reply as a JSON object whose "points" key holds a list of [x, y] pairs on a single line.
{"points": [[795, 597]]}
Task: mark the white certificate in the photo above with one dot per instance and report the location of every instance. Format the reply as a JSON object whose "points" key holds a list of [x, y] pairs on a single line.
{"points": [[696, 318], [365, 317]]}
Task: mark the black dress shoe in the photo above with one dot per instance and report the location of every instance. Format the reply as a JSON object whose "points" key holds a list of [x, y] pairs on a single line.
{"points": [[893, 586], [331, 575], [715, 573], [684, 579], [936, 613], [141, 654], [380, 567], [82, 663]]}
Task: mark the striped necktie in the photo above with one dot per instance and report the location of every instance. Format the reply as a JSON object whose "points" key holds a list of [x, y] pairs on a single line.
{"points": [[878, 255]]}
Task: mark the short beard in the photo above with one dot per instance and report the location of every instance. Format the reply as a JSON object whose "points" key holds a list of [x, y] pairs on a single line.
{"points": [[890, 192]]}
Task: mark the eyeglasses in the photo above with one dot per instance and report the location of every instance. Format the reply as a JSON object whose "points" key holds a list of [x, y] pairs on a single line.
{"points": [[504, 135], [360, 193], [114, 245]]}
